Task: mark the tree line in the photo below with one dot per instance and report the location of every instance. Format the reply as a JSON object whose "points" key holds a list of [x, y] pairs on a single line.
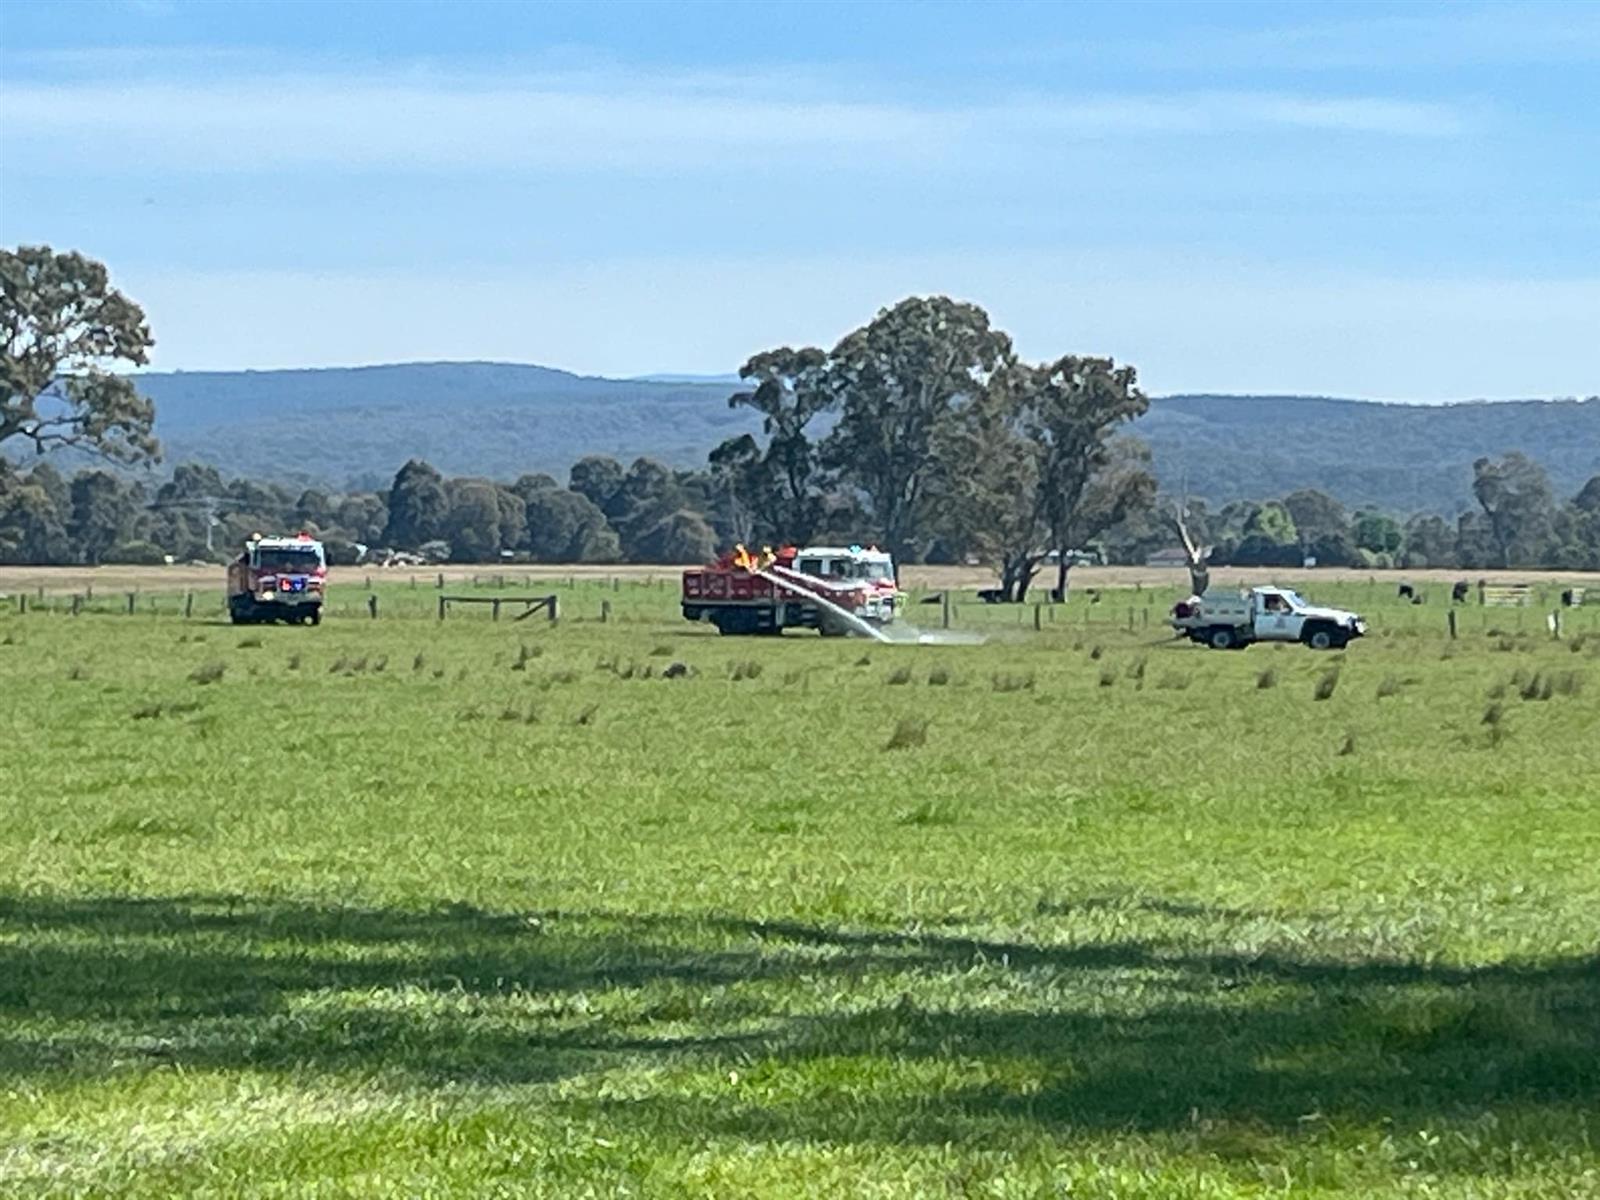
{"points": [[647, 512], [922, 431]]}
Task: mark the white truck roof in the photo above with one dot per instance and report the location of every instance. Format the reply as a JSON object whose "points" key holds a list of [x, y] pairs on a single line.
{"points": [[286, 543], [856, 552]]}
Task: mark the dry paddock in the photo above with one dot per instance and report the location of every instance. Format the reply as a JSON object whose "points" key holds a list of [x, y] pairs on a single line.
{"points": [[68, 580]]}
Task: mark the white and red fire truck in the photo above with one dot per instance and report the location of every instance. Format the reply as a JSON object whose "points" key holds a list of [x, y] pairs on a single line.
{"points": [[832, 589], [278, 579]]}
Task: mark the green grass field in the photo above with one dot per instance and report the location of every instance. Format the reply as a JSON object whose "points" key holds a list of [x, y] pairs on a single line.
{"points": [[403, 908]]}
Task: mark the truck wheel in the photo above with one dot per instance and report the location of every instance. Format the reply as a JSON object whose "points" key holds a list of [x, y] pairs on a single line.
{"points": [[1221, 638], [314, 617], [1322, 637]]}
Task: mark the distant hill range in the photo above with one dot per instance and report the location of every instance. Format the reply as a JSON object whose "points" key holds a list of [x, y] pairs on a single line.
{"points": [[339, 426]]}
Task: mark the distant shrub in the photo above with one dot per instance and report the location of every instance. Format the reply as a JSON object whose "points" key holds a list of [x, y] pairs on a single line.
{"points": [[135, 554]]}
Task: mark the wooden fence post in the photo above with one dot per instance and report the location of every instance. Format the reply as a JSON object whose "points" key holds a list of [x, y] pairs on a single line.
{"points": [[1451, 616], [372, 606], [554, 608], [1038, 619], [494, 609], [605, 611], [188, 605], [77, 604], [944, 609], [441, 604], [133, 598], [22, 603], [441, 581]]}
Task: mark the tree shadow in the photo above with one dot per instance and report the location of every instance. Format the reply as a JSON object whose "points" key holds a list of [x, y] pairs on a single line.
{"points": [[1153, 1035]]}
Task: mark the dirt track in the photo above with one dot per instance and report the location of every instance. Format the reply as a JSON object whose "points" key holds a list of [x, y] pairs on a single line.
{"points": [[67, 580]]}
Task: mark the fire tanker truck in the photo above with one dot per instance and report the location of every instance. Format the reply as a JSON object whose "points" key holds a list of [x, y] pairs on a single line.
{"points": [[278, 579], [833, 589]]}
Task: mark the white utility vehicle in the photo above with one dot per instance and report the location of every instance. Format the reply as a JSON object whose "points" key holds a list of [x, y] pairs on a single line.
{"points": [[1232, 620]]}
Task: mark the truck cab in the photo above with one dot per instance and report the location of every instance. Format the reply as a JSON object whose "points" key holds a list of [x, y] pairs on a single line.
{"points": [[1232, 620], [865, 575], [278, 579]]}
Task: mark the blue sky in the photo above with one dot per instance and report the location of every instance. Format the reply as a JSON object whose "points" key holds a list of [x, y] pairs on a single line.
{"points": [[1392, 201]]}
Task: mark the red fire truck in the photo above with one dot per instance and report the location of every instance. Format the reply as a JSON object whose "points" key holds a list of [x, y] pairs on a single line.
{"points": [[833, 589], [278, 579]]}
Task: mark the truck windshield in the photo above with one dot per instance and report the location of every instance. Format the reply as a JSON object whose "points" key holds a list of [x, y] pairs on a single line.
{"points": [[294, 561], [876, 570]]}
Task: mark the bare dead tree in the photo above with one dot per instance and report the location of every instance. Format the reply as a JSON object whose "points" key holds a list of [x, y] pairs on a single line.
{"points": [[1199, 570]]}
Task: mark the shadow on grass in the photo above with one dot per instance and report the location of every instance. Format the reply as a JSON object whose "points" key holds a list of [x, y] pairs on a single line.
{"points": [[1136, 1034]]}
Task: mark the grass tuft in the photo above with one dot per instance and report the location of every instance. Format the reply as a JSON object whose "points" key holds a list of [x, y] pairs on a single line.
{"points": [[1266, 679], [908, 732], [898, 676], [929, 814], [208, 673], [1326, 685]]}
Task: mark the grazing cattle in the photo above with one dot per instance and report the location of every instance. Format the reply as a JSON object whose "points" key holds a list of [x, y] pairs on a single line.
{"points": [[1458, 593], [1407, 592]]}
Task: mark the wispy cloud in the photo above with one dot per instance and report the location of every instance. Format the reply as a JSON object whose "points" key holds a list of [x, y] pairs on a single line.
{"points": [[406, 120]]}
